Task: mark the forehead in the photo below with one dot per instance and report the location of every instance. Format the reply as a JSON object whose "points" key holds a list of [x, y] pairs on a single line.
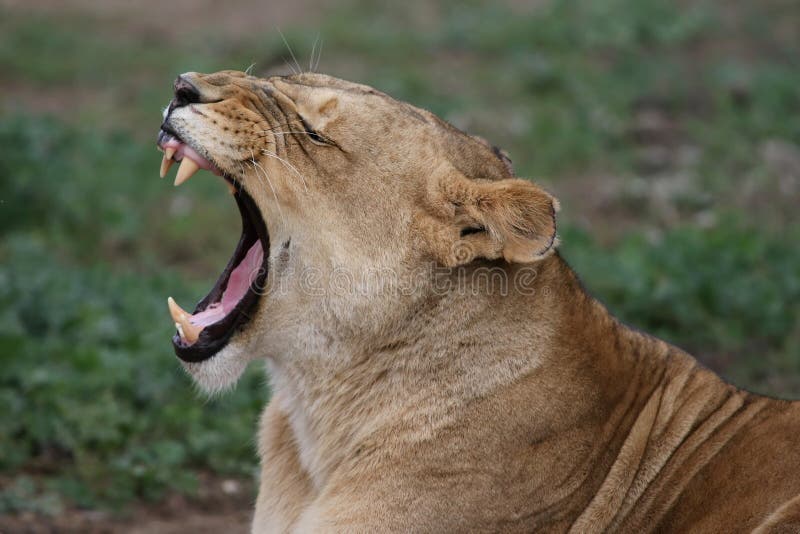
{"points": [[297, 87], [312, 80], [305, 80]]}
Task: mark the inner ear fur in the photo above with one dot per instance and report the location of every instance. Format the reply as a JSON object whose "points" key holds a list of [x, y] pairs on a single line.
{"points": [[517, 219]]}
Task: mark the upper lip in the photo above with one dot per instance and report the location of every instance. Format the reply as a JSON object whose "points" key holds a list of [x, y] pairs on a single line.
{"points": [[165, 130]]}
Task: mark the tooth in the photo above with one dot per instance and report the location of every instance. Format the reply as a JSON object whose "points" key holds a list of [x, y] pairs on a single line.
{"points": [[186, 170], [187, 330], [169, 152], [231, 188], [190, 331], [178, 313], [166, 163]]}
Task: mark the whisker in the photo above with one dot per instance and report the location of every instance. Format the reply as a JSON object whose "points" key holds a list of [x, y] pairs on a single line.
{"points": [[288, 165], [282, 124], [300, 69], [290, 66], [319, 55], [311, 58], [263, 133], [257, 166], [284, 133], [271, 130]]}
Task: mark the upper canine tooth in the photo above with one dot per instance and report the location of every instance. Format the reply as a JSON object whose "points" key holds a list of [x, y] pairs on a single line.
{"points": [[188, 331], [166, 163], [178, 313], [186, 170]]}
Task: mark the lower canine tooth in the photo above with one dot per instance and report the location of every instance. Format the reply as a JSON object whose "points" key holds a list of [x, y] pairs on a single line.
{"points": [[186, 170], [166, 163], [190, 332]]}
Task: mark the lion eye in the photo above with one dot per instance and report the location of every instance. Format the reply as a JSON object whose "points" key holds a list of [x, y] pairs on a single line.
{"points": [[314, 135]]}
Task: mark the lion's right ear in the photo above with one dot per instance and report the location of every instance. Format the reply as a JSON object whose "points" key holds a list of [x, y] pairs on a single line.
{"points": [[511, 218]]}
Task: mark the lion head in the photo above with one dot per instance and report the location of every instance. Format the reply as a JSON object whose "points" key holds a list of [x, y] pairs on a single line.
{"points": [[349, 200]]}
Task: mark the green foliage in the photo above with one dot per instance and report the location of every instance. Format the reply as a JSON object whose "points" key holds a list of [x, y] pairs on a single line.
{"points": [[94, 401], [55, 187], [563, 82], [91, 393]]}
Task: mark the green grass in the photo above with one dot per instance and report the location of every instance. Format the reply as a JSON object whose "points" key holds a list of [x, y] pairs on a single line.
{"points": [[696, 245], [96, 409]]}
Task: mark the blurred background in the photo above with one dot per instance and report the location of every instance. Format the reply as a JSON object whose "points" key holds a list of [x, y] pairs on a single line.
{"points": [[669, 129]]}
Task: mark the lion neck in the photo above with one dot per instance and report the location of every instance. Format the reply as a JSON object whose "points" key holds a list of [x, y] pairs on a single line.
{"points": [[452, 348]]}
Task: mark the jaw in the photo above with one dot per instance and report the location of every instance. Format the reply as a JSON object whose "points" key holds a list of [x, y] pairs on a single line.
{"points": [[221, 372], [235, 296], [210, 340]]}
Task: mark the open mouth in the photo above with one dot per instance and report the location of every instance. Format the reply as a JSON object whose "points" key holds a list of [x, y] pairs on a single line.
{"points": [[230, 303]]}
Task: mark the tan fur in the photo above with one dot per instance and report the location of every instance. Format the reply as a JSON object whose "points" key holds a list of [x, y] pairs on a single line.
{"points": [[455, 406]]}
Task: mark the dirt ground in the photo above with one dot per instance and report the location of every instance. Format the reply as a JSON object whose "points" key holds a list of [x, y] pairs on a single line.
{"points": [[222, 505], [179, 18], [167, 22]]}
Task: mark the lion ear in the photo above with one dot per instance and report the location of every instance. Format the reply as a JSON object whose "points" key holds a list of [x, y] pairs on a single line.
{"points": [[511, 218], [521, 217]]}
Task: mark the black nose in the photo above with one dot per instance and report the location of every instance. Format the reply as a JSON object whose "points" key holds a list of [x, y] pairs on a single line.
{"points": [[185, 93]]}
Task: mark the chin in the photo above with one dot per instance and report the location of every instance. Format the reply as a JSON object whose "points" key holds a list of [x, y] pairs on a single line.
{"points": [[220, 373]]}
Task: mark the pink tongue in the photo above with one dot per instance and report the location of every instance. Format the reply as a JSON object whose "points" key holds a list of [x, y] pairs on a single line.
{"points": [[238, 284]]}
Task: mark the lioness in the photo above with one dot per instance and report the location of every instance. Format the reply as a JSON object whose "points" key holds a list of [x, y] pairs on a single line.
{"points": [[435, 364]]}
